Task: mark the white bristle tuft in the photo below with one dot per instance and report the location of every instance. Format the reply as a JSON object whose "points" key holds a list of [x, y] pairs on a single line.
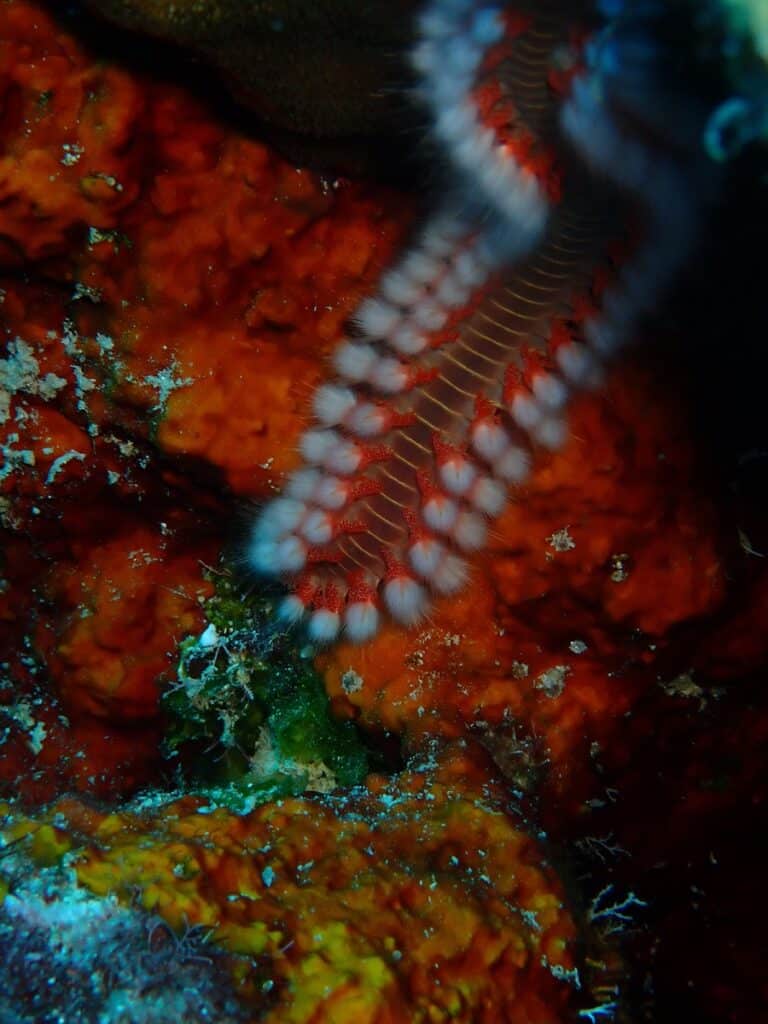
{"points": [[421, 267], [462, 55], [436, 24], [525, 411], [439, 239], [331, 492], [408, 340], [389, 376], [302, 484], [439, 513], [323, 626], [514, 466], [331, 403], [429, 316], [469, 270], [452, 293], [292, 609], [406, 600], [279, 517], [354, 360], [551, 433], [361, 621], [469, 531], [367, 420], [453, 124], [400, 289], [425, 555], [317, 528], [489, 496], [290, 554], [344, 458], [261, 555], [487, 27], [449, 576], [457, 474], [315, 445], [605, 337], [377, 318], [579, 364], [489, 439], [550, 390], [425, 57]]}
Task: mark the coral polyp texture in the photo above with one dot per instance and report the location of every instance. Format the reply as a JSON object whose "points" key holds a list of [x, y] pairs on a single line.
{"points": [[565, 220]]}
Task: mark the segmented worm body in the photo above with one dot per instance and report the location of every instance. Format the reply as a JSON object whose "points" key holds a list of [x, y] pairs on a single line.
{"points": [[516, 293]]}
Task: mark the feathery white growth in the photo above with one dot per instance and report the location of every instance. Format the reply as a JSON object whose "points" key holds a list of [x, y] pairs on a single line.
{"points": [[551, 433], [525, 411], [439, 513], [469, 531], [323, 626], [457, 474], [389, 376], [550, 390], [280, 517], [408, 340], [317, 528], [514, 465], [425, 555], [361, 621], [354, 360], [368, 420], [315, 445], [488, 496], [489, 439], [406, 600], [377, 318], [449, 576], [302, 484], [331, 403], [331, 492]]}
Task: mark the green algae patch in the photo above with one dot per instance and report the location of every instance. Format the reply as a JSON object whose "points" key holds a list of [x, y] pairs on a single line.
{"points": [[248, 717]]}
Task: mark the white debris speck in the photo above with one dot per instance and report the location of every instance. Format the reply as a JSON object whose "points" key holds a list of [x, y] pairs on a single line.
{"points": [[619, 568], [552, 680], [577, 647], [561, 540], [71, 153], [62, 460], [209, 637], [351, 682], [20, 373]]}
